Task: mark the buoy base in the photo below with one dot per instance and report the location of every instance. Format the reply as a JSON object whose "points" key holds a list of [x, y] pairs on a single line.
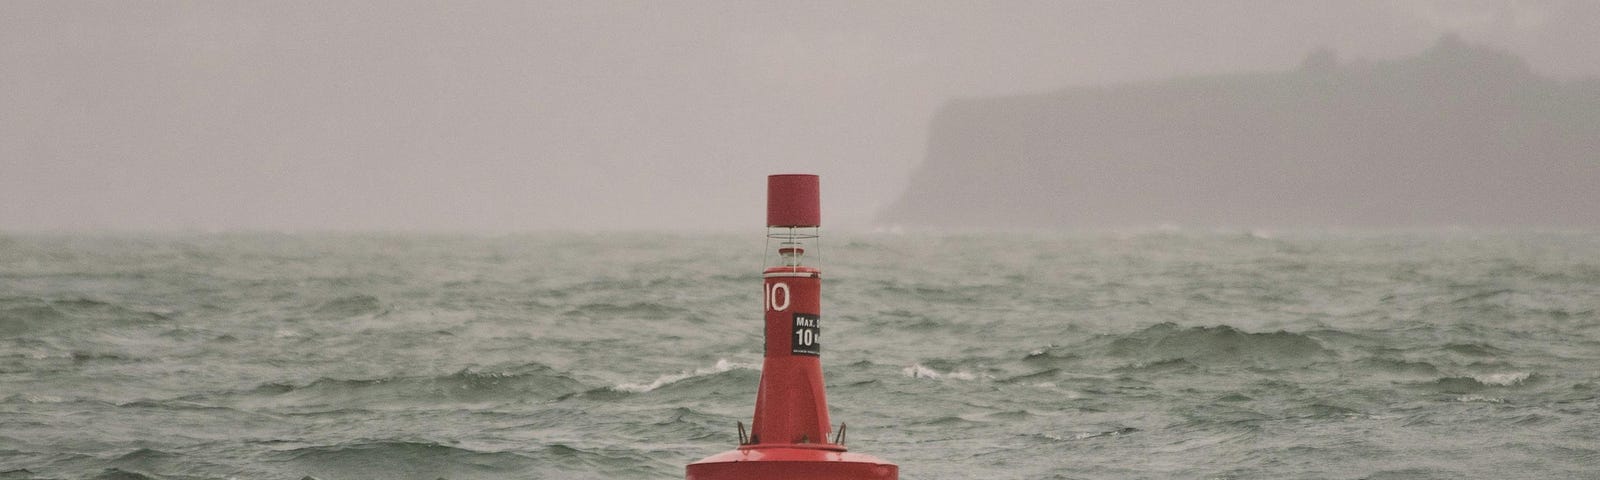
{"points": [[791, 463]]}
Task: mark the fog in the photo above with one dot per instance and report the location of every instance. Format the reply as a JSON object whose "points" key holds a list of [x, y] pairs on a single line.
{"points": [[512, 116]]}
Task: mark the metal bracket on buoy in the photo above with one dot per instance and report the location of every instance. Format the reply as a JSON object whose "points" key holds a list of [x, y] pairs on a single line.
{"points": [[791, 404]]}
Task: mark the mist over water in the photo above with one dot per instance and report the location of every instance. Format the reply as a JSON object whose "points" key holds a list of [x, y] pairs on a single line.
{"points": [[1097, 355], [513, 116]]}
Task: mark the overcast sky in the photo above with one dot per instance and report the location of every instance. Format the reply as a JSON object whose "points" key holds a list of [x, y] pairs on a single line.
{"points": [[509, 116]]}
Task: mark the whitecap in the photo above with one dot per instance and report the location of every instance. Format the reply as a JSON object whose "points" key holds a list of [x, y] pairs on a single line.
{"points": [[1110, 433], [722, 365], [917, 370], [1503, 379]]}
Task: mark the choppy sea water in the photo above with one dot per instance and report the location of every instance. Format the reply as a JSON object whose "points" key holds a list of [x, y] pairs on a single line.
{"points": [[625, 356]]}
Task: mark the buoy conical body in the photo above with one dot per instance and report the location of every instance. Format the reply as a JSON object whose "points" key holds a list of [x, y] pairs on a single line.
{"points": [[789, 436], [791, 405]]}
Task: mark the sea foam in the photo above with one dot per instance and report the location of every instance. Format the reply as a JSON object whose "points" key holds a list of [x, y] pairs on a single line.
{"points": [[722, 365], [917, 370]]}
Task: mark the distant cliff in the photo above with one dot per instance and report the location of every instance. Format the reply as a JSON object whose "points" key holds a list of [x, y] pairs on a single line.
{"points": [[1457, 135]]}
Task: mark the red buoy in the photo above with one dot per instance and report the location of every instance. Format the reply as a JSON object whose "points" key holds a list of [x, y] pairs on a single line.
{"points": [[789, 438]]}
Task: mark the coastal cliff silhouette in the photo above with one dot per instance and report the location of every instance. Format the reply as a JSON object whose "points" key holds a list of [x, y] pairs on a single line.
{"points": [[1458, 135]]}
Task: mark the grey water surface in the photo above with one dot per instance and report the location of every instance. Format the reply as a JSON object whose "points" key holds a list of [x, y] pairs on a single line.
{"points": [[1164, 354]]}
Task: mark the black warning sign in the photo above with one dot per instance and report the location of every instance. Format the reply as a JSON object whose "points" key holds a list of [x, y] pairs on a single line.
{"points": [[807, 334]]}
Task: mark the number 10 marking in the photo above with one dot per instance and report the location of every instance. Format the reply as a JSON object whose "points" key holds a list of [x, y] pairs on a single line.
{"points": [[772, 296], [805, 337]]}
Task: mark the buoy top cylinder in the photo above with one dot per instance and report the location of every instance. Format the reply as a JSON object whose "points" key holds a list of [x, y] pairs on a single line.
{"points": [[793, 200]]}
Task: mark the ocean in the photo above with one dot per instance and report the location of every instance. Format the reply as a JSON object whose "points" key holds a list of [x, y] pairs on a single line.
{"points": [[1167, 354]]}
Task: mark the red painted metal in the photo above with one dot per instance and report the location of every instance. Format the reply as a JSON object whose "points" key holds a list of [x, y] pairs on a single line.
{"points": [[791, 464], [789, 437], [791, 406], [793, 200]]}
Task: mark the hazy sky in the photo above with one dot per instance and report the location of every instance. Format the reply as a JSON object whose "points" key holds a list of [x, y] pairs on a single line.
{"points": [[503, 116]]}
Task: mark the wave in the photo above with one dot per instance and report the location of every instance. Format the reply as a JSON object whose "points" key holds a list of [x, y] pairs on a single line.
{"points": [[30, 314], [1051, 354], [1504, 379], [1011, 415], [17, 474], [1234, 397], [350, 306], [40, 399], [1483, 295], [722, 366], [1120, 431], [947, 421], [120, 474], [625, 310], [1163, 365], [151, 463], [379, 449], [1109, 433], [402, 459], [145, 455], [1480, 382], [1221, 344], [536, 381], [917, 370], [1038, 376], [1323, 410], [681, 423], [1475, 349], [389, 459], [1396, 366]]}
